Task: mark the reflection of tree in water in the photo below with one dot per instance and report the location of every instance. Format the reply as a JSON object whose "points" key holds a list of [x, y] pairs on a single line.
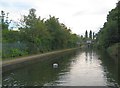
{"points": [[110, 68], [88, 55], [39, 73]]}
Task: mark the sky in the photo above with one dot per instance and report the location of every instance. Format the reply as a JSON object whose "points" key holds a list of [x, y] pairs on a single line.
{"points": [[78, 15]]}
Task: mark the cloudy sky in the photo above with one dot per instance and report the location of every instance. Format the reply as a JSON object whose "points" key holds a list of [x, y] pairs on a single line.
{"points": [[79, 15]]}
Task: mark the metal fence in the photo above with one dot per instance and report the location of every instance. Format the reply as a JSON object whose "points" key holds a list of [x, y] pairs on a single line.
{"points": [[8, 47]]}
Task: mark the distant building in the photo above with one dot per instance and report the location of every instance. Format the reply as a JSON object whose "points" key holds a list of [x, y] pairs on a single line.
{"points": [[89, 41]]}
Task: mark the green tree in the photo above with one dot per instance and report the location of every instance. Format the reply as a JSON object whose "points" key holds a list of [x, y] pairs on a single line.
{"points": [[93, 35], [90, 34], [109, 34], [10, 36], [38, 36], [4, 24], [86, 34], [58, 32], [35, 33]]}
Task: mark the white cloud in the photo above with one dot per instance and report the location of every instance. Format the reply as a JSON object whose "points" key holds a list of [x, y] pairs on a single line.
{"points": [[79, 15]]}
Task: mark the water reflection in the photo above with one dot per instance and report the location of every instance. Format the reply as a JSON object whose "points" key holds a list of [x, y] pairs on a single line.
{"points": [[110, 68], [77, 68], [86, 54], [89, 55]]}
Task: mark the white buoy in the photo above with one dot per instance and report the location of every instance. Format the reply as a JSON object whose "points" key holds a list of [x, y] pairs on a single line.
{"points": [[55, 65]]}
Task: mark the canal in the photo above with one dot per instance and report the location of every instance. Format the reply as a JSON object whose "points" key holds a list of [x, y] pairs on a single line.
{"points": [[75, 68]]}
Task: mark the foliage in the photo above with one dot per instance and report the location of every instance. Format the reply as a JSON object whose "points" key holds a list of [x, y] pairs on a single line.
{"points": [[109, 34], [35, 33], [86, 34], [10, 36], [14, 52], [90, 34], [113, 50], [4, 24], [93, 35], [40, 35]]}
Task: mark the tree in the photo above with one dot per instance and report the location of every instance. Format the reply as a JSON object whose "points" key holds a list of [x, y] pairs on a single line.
{"points": [[86, 34], [10, 36], [38, 36], [109, 34], [3, 23], [93, 35], [59, 33], [35, 33], [90, 34]]}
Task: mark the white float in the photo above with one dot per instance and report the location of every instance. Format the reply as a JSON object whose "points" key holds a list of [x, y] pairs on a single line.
{"points": [[55, 65]]}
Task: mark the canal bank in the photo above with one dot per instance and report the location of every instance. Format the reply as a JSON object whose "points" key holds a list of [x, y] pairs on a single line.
{"points": [[113, 51], [23, 61]]}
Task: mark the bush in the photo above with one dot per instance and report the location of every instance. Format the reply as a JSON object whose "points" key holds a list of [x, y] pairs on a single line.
{"points": [[16, 52], [113, 50]]}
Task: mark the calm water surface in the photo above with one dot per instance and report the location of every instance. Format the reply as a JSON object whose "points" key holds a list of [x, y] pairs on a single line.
{"points": [[77, 68]]}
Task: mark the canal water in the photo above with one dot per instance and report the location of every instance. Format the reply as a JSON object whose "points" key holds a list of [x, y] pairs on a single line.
{"points": [[75, 68]]}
